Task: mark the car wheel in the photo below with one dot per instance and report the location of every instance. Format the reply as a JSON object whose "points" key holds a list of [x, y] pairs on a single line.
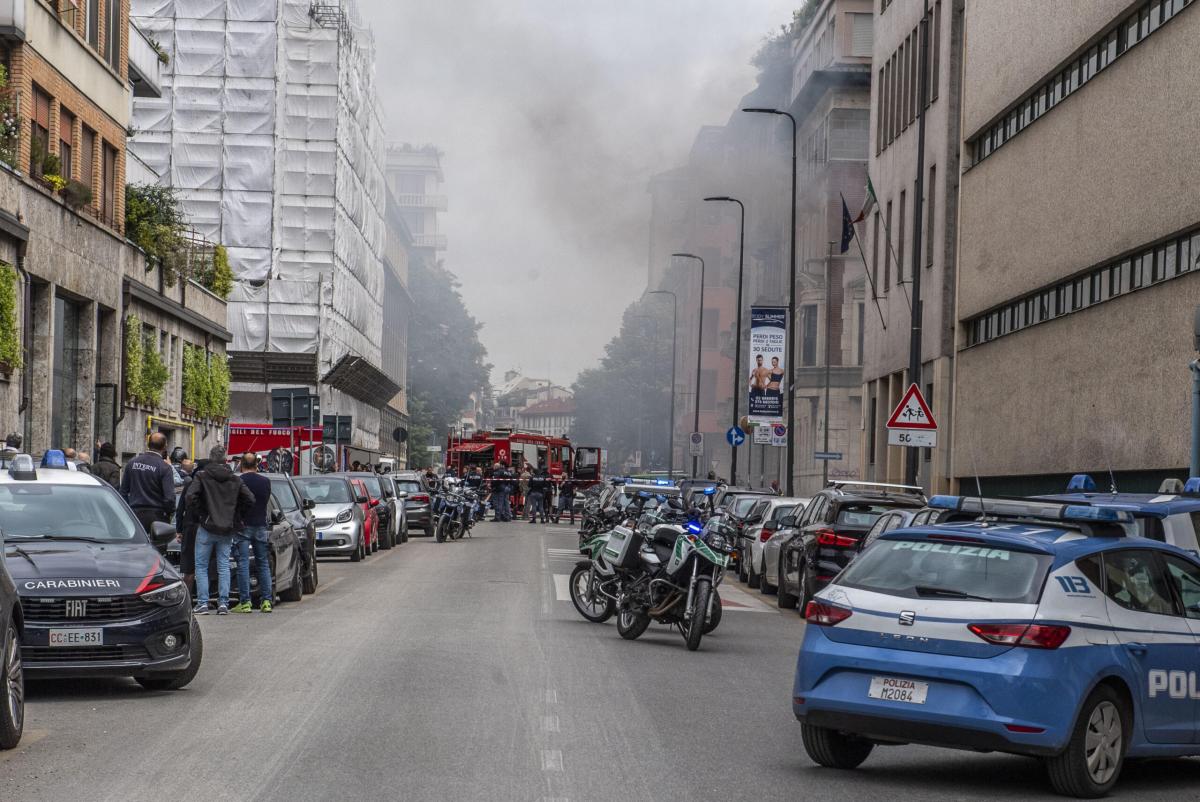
{"points": [[359, 552], [404, 533], [766, 587], [429, 530], [753, 578], [310, 579], [375, 539], [295, 591], [1090, 765], [833, 749], [175, 680], [785, 600], [388, 540], [12, 684]]}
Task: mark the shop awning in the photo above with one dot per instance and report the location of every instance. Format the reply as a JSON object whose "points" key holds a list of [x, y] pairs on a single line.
{"points": [[471, 448]]}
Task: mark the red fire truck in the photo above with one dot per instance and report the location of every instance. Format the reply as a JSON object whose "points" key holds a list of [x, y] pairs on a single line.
{"points": [[516, 447], [288, 449]]}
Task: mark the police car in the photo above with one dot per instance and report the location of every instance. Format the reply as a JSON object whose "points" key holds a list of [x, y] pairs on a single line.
{"points": [[98, 599], [1045, 631]]}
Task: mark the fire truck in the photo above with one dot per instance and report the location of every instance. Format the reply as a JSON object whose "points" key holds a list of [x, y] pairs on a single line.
{"points": [[289, 449], [514, 447]]}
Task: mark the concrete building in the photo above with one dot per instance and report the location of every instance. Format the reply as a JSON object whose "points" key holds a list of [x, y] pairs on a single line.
{"points": [[887, 232], [1079, 237], [554, 417], [82, 314], [414, 175], [270, 128]]}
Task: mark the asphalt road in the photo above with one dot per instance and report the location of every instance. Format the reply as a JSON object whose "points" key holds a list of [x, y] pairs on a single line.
{"points": [[455, 671]]}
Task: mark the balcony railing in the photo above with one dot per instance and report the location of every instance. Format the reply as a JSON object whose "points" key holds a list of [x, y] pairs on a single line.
{"points": [[12, 19], [145, 69], [418, 201], [435, 241]]}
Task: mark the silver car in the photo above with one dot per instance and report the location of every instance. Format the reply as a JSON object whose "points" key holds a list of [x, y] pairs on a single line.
{"points": [[337, 516], [768, 566], [766, 522]]}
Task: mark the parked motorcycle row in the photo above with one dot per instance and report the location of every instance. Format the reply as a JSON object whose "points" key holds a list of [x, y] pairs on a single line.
{"points": [[456, 508]]}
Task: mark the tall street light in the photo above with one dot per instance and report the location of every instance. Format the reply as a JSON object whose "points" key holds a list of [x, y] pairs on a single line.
{"points": [[737, 331], [699, 339], [791, 343], [671, 424]]}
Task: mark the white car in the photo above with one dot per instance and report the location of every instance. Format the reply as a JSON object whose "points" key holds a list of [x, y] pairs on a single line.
{"points": [[773, 511]]}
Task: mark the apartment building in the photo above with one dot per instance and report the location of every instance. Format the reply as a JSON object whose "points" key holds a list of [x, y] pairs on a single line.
{"points": [[888, 230], [1079, 236], [415, 178]]}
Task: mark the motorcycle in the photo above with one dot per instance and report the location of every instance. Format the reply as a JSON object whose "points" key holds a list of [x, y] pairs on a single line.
{"points": [[456, 514]]}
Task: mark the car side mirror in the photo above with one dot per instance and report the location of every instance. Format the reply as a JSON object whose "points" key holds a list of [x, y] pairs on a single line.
{"points": [[787, 521], [308, 504], [162, 533], [374, 502], [403, 494]]}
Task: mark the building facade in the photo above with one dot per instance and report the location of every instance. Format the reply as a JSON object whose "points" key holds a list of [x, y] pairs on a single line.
{"points": [[887, 231], [554, 417], [1079, 236]]}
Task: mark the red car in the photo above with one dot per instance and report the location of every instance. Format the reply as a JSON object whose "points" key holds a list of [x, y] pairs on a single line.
{"points": [[370, 517]]}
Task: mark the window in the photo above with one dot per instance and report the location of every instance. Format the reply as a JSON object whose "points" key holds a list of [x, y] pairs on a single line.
{"points": [[935, 52], [1185, 578], [875, 253], [862, 36], [1134, 579], [887, 248], [871, 423], [880, 111], [808, 335], [905, 48], [112, 35], [862, 322], [900, 242], [87, 155], [39, 144], [849, 130], [66, 138], [92, 24], [108, 210], [930, 208], [914, 75]]}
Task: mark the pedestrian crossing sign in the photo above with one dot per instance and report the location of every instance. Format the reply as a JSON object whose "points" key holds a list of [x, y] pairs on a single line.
{"points": [[912, 412]]}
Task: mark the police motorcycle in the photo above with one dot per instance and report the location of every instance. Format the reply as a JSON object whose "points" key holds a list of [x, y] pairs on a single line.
{"points": [[456, 509]]}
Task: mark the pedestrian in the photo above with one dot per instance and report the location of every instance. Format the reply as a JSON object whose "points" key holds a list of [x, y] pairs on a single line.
{"points": [[538, 484], [775, 487], [523, 488], [501, 491], [186, 524], [70, 454], [220, 502], [566, 500], [106, 466], [84, 462], [148, 483], [12, 447], [430, 479], [474, 479], [254, 534]]}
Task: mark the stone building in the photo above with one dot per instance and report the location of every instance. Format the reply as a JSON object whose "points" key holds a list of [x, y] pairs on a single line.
{"points": [[1079, 236]]}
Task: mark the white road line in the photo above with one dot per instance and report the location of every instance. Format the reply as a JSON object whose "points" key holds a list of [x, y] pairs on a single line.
{"points": [[550, 723], [545, 569], [552, 760], [562, 587], [551, 697]]}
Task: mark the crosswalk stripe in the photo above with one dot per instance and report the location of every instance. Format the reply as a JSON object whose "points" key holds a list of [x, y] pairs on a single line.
{"points": [[562, 587]]}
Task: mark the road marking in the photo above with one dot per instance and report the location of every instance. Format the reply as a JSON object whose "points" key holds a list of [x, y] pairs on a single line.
{"points": [[551, 697], [545, 569], [562, 587], [552, 760], [324, 586], [550, 723], [564, 554]]}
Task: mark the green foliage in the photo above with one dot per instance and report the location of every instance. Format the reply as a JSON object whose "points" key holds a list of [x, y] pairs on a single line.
{"points": [[77, 194], [154, 223], [624, 403], [446, 361], [55, 181], [145, 372], [10, 124], [220, 280], [10, 338], [218, 386], [776, 47], [154, 376], [51, 165], [163, 56], [205, 382]]}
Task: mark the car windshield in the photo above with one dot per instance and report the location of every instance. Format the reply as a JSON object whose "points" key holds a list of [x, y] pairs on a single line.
{"points": [[65, 512], [325, 490], [863, 515], [410, 487], [372, 484], [285, 497], [922, 569], [782, 511], [742, 506]]}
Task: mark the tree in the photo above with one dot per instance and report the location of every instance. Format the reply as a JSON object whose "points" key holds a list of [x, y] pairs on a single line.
{"points": [[623, 403], [446, 361]]}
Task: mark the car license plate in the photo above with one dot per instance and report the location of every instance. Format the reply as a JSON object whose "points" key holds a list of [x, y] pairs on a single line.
{"points": [[895, 689], [77, 637]]}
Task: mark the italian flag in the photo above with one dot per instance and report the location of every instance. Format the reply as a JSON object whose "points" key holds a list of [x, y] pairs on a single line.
{"points": [[867, 204]]}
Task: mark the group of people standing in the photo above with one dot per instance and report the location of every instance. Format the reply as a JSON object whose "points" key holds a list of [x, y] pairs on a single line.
{"points": [[519, 493], [216, 512]]}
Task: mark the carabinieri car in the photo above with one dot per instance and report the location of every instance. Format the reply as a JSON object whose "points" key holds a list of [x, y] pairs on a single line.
{"points": [[98, 598], [1047, 632]]}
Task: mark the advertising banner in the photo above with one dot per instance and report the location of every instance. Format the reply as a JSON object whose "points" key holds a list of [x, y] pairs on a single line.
{"points": [[768, 346]]}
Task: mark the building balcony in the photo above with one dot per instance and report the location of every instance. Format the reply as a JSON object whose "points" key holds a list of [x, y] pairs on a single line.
{"points": [[12, 20], [435, 241], [145, 69], [419, 201]]}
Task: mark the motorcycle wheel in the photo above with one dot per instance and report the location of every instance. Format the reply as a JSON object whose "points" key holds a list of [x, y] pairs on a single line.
{"points": [[715, 619], [453, 530], [439, 531], [697, 621], [588, 601], [631, 624]]}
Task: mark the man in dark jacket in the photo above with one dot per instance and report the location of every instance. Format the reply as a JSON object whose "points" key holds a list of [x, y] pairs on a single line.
{"points": [[539, 487], [106, 466], [255, 534], [148, 483], [220, 502]]}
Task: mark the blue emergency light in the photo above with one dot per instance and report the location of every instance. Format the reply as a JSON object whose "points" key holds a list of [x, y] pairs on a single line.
{"points": [[945, 502], [664, 482], [54, 458], [1076, 512], [695, 527], [708, 491], [1081, 483], [1192, 486]]}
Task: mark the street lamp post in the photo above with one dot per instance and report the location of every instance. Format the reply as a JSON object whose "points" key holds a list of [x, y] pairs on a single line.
{"points": [[737, 331], [828, 345], [671, 422], [791, 343], [699, 339]]}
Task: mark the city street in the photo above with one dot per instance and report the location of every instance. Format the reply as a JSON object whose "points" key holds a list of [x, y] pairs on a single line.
{"points": [[461, 671]]}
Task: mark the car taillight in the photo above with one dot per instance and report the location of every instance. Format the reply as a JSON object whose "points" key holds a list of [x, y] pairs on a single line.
{"points": [[827, 537], [1034, 636], [765, 535], [420, 498], [825, 615]]}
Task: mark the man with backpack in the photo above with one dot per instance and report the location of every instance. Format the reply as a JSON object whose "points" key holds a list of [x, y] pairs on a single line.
{"points": [[220, 502]]}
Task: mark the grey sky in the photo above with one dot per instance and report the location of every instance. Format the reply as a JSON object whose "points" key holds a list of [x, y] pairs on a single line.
{"points": [[552, 115]]}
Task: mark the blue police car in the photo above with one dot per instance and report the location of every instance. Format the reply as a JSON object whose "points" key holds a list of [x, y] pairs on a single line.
{"points": [[1048, 631], [97, 597]]}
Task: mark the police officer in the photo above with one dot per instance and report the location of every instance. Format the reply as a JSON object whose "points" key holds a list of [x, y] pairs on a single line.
{"points": [[501, 491], [12, 447], [474, 479], [148, 483]]}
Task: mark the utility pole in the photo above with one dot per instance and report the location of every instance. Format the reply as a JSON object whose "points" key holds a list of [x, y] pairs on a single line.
{"points": [[1195, 368], [828, 351], [671, 419], [699, 340], [912, 456], [737, 331]]}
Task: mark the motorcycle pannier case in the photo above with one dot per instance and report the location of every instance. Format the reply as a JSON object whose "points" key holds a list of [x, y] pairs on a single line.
{"points": [[622, 547]]}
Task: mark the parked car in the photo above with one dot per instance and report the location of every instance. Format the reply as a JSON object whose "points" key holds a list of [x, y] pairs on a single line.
{"points": [[285, 554], [829, 532], [369, 507], [12, 675], [733, 506], [383, 507], [396, 497], [762, 523], [298, 511], [416, 506], [337, 516]]}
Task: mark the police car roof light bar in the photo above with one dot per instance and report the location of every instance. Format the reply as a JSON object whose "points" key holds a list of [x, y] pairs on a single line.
{"points": [[21, 468], [1081, 483], [1192, 486], [1077, 512], [1022, 508], [54, 458]]}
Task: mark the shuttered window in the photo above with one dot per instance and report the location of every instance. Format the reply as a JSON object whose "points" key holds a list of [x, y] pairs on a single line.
{"points": [[862, 36]]}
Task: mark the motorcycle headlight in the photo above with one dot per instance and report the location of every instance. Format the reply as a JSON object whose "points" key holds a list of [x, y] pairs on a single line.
{"points": [[168, 596], [344, 516], [716, 542]]}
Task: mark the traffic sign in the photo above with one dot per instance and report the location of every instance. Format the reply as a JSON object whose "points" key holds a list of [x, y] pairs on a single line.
{"points": [[762, 435], [697, 444], [778, 434], [735, 436], [834, 456], [914, 438], [912, 412]]}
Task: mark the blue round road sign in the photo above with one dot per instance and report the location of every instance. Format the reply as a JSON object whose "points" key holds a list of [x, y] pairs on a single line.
{"points": [[735, 436]]}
